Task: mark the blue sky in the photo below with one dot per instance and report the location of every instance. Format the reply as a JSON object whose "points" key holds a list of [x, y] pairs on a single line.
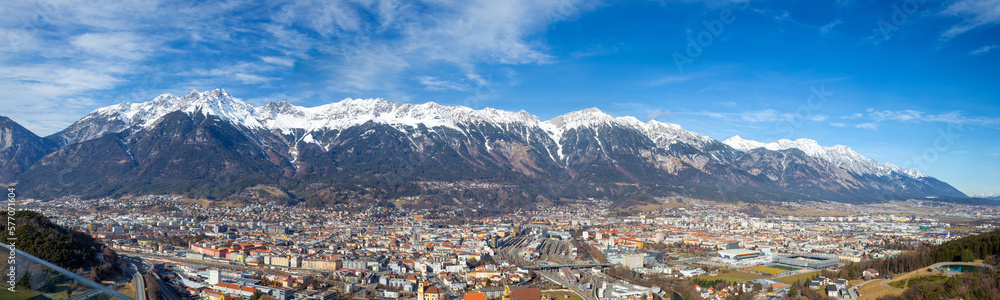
{"points": [[913, 83]]}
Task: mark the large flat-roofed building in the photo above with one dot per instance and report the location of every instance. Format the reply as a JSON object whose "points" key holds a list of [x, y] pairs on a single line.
{"points": [[738, 254], [809, 261]]}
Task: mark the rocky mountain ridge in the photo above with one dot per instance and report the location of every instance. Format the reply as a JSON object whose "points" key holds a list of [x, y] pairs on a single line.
{"points": [[378, 149]]}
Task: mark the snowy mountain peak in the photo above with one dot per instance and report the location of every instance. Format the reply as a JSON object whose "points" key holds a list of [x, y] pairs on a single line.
{"points": [[351, 112], [810, 147], [663, 133], [118, 117], [839, 155], [589, 116], [216, 102], [741, 144]]}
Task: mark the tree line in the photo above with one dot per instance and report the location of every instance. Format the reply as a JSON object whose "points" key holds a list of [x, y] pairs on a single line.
{"points": [[966, 249]]}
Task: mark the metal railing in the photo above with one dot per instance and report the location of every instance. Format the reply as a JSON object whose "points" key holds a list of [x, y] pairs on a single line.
{"points": [[56, 282]]}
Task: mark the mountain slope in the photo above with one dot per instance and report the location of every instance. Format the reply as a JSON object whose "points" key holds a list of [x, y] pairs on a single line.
{"points": [[212, 144], [19, 148], [197, 154]]}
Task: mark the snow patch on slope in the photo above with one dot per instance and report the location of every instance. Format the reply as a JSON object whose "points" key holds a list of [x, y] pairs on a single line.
{"points": [[840, 155]]}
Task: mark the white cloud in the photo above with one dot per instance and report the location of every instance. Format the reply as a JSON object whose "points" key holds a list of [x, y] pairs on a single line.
{"points": [[42, 98], [298, 97], [659, 115], [435, 84], [87, 49], [56, 53], [767, 115], [114, 45], [828, 27], [841, 125], [913, 116], [639, 110], [281, 61], [983, 50], [974, 14], [672, 79], [362, 46], [901, 115], [759, 116], [458, 34], [867, 126], [251, 78]]}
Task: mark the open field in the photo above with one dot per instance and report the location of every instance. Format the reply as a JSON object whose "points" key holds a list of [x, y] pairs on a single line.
{"points": [[874, 289], [733, 276], [561, 295], [769, 270], [129, 289], [68, 289], [20, 294], [904, 283], [917, 273], [922, 272], [798, 277]]}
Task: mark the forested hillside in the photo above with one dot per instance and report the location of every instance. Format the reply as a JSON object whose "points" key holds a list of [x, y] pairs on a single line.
{"points": [[978, 285], [38, 236]]}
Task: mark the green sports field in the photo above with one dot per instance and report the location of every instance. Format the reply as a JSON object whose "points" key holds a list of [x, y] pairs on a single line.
{"points": [[784, 267], [768, 270], [732, 276]]}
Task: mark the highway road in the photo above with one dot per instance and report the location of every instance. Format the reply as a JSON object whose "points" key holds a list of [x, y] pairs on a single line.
{"points": [[140, 286], [145, 268]]}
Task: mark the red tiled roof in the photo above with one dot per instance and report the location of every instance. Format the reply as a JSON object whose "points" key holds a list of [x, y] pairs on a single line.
{"points": [[475, 296]]}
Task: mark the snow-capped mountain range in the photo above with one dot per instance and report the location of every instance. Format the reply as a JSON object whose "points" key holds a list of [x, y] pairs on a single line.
{"points": [[839, 155], [587, 146]]}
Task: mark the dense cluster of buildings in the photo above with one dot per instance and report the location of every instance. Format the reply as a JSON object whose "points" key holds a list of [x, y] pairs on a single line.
{"points": [[291, 252]]}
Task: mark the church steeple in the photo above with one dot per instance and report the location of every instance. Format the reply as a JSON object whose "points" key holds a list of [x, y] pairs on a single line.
{"points": [[506, 292]]}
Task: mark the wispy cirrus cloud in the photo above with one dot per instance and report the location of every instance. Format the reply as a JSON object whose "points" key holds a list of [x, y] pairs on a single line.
{"points": [[435, 84], [826, 29], [673, 79], [867, 126], [974, 13], [983, 50], [756, 116], [377, 42], [914, 116], [95, 49]]}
